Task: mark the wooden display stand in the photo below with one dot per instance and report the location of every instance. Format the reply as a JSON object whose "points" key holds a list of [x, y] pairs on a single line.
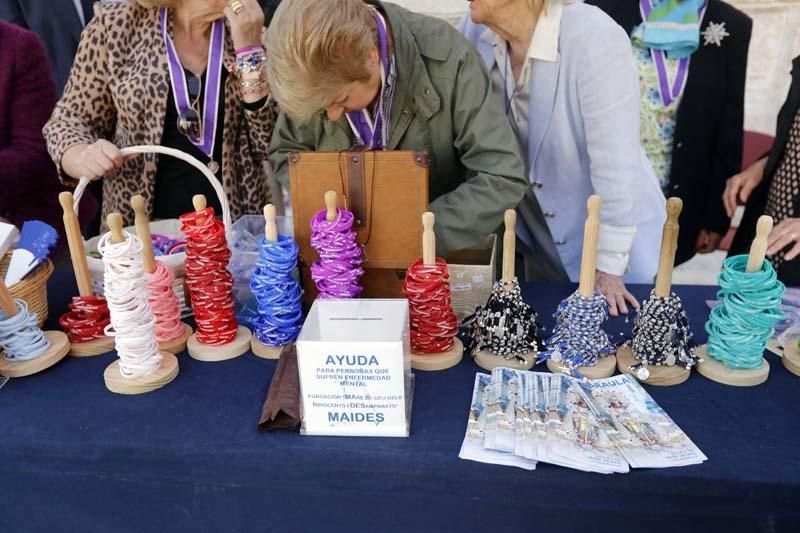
{"points": [[663, 375], [177, 344], [206, 352], [605, 366], [258, 348], [715, 370], [77, 252], [59, 345], [114, 380], [387, 192], [441, 360], [486, 359], [791, 358]]}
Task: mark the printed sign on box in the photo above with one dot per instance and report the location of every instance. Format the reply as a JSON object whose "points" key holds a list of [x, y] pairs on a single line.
{"points": [[355, 368]]}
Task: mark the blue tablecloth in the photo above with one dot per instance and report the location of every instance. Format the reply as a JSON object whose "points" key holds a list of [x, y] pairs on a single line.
{"points": [[75, 457]]}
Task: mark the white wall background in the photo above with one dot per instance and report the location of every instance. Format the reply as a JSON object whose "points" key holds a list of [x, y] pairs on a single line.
{"points": [[775, 41]]}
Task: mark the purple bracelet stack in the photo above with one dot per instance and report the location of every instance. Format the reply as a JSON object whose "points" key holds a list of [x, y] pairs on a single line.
{"points": [[338, 270]]}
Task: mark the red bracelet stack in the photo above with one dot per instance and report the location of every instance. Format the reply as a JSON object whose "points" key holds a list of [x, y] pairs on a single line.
{"points": [[210, 283], [432, 320], [86, 319]]}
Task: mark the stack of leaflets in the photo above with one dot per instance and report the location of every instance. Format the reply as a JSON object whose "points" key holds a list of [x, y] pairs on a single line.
{"points": [[518, 418]]}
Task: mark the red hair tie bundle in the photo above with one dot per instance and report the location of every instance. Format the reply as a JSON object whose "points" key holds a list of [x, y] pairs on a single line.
{"points": [[86, 319], [210, 283], [433, 322]]}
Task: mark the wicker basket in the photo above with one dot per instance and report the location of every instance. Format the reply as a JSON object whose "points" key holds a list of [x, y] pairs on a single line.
{"points": [[33, 288], [170, 227]]}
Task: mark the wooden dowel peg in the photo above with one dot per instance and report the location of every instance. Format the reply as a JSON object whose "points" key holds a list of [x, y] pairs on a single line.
{"points": [[669, 245], [75, 242], [270, 226], [330, 205], [509, 247], [6, 300], [591, 233], [428, 239], [199, 202], [143, 232], [758, 250], [114, 221]]}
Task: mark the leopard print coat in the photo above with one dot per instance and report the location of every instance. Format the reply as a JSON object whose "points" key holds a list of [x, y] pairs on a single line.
{"points": [[118, 91]]}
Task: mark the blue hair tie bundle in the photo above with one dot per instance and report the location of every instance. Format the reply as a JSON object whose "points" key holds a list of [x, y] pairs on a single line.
{"points": [[738, 330], [20, 337], [279, 296]]}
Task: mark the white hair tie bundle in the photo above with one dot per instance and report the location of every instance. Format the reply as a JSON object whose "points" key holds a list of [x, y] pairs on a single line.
{"points": [[132, 320]]}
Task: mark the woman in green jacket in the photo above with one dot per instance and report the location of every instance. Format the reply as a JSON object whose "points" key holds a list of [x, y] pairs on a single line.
{"points": [[349, 72]]}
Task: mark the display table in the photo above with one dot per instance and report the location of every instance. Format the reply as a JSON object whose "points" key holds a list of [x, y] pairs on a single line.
{"points": [[76, 457]]}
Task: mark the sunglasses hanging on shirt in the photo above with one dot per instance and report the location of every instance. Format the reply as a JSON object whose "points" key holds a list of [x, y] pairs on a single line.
{"points": [[199, 128]]}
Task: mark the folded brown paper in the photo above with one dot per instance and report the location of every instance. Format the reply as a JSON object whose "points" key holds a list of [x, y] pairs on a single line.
{"points": [[282, 407]]}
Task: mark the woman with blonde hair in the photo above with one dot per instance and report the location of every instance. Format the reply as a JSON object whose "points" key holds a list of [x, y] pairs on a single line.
{"points": [[349, 72], [567, 80], [186, 74]]}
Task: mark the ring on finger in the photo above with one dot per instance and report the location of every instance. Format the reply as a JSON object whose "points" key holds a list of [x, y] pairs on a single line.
{"points": [[237, 6]]}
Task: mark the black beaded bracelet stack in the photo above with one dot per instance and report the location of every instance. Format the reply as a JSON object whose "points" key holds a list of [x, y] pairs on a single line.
{"points": [[661, 335], [506, 325]]}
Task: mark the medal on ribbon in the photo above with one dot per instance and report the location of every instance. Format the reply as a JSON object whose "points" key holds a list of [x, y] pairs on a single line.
{"points": [[369, 132], [669, 88], [200, 129]]}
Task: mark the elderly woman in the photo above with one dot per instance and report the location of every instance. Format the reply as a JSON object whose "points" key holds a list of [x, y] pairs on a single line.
{"points": [[566, 76], [350, 72], [185, 74]]}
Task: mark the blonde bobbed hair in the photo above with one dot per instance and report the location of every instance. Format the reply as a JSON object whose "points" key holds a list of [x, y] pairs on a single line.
{"points": [[315, 48]]}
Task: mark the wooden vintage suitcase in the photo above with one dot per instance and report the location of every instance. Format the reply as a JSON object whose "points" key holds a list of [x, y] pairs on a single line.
{"points": [[387, 191]]}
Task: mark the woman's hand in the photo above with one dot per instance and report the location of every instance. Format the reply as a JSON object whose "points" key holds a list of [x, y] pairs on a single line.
{"points": [[246, 22], [739, 187], [615, 292], [92, 161], [782, 235]]}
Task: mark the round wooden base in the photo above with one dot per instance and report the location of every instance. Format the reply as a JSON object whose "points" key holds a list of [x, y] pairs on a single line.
{"points": [[206, 352], [263, 351], [116, 382], [179, 344], [432, 362], [59, 347], [774, 347], [605, 368], [487, 360], [100, 346], [663, 376], [737, 377], [791, 358]]}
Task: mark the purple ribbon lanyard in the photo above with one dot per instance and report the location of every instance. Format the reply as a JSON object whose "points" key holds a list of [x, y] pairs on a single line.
{"points": [[369, 132], [213, 82], [669, 91]]}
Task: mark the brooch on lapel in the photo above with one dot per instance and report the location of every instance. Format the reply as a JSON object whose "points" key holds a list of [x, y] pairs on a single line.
{"points": [[714, 33]]}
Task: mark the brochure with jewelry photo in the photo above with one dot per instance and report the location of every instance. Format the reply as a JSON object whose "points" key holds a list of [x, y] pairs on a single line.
{"points": [[642, 431], [555, 425], [604, 426], [472, 448]]}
